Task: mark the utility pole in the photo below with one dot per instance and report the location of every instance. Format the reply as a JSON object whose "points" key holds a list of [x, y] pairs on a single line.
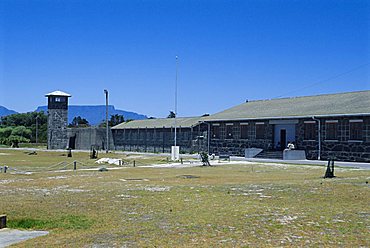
{"points": [[37, 131], [106, 121]]}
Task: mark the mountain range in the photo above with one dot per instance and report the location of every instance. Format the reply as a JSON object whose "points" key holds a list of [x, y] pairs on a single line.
{"points": [[95, 114], [4, 111]]}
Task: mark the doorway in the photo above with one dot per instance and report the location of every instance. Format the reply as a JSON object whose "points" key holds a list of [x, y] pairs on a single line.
{"points": [[72, 142], [284, 131], [282, 139]]}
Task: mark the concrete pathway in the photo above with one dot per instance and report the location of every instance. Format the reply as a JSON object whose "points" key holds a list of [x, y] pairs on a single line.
{"points": [[357, 165], [12, 236]]}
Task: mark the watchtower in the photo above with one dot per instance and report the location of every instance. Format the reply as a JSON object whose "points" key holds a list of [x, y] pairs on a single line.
{"points": [[57, 119]]}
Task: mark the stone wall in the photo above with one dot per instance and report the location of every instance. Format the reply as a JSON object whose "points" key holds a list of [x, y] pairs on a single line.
{"points": [[57, 128], [160, 140], [343, 148], [84, 138], [236, 145]]}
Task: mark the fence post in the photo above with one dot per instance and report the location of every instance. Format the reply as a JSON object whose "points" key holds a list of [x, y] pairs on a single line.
{"points": [[2, 221]]}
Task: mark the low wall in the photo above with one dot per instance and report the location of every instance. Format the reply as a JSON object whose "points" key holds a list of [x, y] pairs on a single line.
{"points": [[294, 155], [252, 152]]}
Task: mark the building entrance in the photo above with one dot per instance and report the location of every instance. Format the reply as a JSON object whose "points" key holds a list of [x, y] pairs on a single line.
{"points": [[284, 133]]}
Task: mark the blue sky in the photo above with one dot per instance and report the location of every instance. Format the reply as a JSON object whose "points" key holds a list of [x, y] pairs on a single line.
{"points": [[229, 51]]}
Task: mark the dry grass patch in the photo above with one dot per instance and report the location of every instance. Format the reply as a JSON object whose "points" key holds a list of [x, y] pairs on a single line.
{"points": [[228, 206]]}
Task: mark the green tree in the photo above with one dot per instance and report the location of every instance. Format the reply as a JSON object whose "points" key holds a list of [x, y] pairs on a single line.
{"points": [[171, 115], [15, 135], [79, 122], [28, 120], [115, 120], [4, 134]]}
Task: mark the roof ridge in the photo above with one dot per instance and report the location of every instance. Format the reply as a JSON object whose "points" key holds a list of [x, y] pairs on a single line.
{"points": [[319, 95]]}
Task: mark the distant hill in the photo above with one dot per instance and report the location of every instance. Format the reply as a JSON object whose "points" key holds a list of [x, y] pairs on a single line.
{"points": [[95, 114], [4, 111]]}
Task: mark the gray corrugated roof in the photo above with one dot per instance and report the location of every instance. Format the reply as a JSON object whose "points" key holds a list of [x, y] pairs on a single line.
{"points": [[320, 105], [160, 123]]}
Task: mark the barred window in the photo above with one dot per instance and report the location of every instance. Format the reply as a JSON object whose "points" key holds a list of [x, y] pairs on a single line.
{"points": [[260, 131], [331, 130], [355, 130], [229, 131], [310, 131], [244, 131], [215, 132]]}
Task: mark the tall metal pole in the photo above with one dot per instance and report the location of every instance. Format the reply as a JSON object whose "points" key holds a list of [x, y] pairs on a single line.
{"points": [[106, 121], [176, 99]]}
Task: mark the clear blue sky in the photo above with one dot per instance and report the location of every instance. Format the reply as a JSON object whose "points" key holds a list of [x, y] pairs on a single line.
{"points": [[229, 51]]}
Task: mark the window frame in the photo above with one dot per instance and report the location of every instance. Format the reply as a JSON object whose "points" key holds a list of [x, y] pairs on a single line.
{"points": [[229, 131], [215, 131], [353, 136], [263, 130], [245, 127], [310, 134], [331, 134]]}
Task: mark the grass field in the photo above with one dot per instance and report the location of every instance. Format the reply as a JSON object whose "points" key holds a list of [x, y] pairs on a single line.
{"points": [[235, 205]]}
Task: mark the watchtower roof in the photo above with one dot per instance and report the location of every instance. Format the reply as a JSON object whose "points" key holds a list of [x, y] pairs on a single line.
{"points": [[58, 93]]}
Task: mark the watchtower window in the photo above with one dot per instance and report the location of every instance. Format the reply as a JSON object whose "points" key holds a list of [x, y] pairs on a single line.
{"points": [[60, 99]]}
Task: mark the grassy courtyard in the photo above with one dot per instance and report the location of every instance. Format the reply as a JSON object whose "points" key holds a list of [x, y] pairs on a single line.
{"points": [[234, 205]]}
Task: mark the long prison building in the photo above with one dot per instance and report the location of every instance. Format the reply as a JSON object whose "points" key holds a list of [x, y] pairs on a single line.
{"points": [[324, 126]]}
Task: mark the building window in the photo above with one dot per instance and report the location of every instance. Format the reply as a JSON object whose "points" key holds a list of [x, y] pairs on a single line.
{"points": [[260, 130], [149, 135], [229, 131], [331, 130], [134, 135], [310, 130], [244, 130], [355, 129], [215, 131]]}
